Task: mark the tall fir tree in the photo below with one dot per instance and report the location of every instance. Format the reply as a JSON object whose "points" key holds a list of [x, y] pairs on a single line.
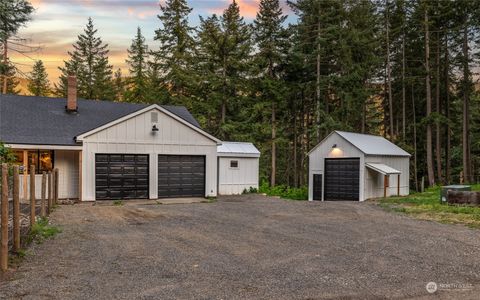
{"points": [[39, 85], [270, 40], [119, 85], [174, 55], [138, 68], [89, 62]]}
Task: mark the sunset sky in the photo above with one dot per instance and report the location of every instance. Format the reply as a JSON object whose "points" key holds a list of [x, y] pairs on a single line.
{"points": [[56, 24]]}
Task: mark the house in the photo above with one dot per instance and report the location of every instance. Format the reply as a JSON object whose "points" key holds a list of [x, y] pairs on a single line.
{"points": [[111, 150], [353, 166], [238, 167]]}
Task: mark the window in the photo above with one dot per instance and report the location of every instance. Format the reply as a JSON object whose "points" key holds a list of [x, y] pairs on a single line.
{"points": [[42, 159], [234, 164]]}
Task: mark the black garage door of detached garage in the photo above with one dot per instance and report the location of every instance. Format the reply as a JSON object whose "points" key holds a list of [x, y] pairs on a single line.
{"points": [[121, 176], [181, 176], [342, 179]]}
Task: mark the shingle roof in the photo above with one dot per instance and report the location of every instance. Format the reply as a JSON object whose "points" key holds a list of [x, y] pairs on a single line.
{"points": [[44, 121], [373, 144], [238, 149]]}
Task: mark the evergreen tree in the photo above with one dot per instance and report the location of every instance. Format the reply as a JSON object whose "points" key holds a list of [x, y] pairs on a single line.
{"points": [[174, 55], [138, 65], [39, 85], [13, 15], [89, 62], [119, 86], [270, 41], [8, 72]]}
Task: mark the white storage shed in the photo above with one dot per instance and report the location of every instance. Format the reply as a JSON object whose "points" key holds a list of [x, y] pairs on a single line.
{"points": [[238, 167], [353, 166]]}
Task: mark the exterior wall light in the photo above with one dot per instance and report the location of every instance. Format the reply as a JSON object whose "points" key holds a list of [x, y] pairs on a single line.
{"points": [[334, 146], [154, 128]]}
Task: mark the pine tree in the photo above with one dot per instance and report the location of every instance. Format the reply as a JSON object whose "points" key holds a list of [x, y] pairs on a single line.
{"points": [[39, 85], [138, 67], [89, 61], [9, 72], [13, 15], [174, 55], [270, 40], [119, 86]]}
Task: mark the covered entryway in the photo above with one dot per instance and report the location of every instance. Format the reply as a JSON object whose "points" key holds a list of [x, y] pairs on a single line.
{"points": [[121, 176], [342, 179], [181, 176]]}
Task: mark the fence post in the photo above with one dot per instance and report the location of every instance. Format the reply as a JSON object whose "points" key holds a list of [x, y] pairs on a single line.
{"points": [[56, 185], [4, 220], [49, 203], [16, 209], [44, 194], [32, 196]]}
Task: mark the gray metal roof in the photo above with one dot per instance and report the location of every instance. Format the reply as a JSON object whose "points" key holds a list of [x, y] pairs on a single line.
{"points": [[237, 149], [44, 121], [372, 144]]}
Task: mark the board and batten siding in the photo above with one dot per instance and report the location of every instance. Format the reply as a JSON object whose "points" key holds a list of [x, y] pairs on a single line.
{"points": [[344, 150], [134, 136], [374, 180], [233, 181]]}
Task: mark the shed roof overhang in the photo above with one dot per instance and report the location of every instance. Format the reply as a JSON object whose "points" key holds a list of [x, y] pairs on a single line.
{"points": [[382, 169]]}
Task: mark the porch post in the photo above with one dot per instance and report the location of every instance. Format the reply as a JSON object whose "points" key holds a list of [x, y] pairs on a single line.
{"points": [[80, 180], [398, 185], [385, 185], [25, 174]]}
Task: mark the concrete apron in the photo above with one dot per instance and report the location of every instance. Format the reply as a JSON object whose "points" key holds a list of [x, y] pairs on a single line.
{"points": [[152, 202]]}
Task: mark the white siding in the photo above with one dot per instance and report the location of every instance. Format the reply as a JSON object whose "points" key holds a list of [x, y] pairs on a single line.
{"points": [[68, 173], [374, 180], [325, 150], [371, 183], [134, 136], [233, 181]]}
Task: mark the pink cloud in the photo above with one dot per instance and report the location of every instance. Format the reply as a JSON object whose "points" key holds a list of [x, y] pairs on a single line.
{"points": [[248, 8]]}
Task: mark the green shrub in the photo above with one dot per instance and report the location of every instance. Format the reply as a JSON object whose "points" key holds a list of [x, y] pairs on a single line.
{"points": [[284, 191]]}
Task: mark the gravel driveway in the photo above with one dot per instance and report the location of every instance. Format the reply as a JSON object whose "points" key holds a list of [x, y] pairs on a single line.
{"points": [[247, 247]]}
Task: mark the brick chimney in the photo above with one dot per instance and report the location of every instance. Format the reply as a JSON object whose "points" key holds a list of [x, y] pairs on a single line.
{"points": [[72, 93]]}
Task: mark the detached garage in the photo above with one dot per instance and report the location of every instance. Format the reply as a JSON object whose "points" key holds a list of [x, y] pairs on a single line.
{"points": [[356, 167], [238, 167]]}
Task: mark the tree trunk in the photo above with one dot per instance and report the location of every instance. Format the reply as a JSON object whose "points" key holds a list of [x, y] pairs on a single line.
{"points": [[403, 87], [318, 84], [389, 75], [430, 172], [5, 62], [274, 150], [447, 113], [466, 113], [415, 171], [295, 159], [438, 144]]}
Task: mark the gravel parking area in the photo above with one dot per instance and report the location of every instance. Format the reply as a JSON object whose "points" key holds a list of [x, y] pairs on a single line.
{"points": [[247, 247]]}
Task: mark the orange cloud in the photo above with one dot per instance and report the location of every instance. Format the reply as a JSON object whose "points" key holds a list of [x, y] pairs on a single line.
{"points": [[248, 8]]}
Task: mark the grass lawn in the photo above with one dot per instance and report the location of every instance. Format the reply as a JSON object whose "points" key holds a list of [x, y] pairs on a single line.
{"points": [[427, 206]]}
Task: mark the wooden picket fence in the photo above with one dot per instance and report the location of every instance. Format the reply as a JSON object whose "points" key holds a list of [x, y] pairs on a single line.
{"points": [[14, 213]]}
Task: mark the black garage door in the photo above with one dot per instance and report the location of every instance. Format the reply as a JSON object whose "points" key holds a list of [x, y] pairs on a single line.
{"points": [[181, 176], [342, 179], [121, 176]]}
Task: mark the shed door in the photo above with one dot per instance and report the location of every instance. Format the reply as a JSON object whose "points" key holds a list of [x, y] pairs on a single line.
{"points": [[317, 187], [121, 176], [181, 176], [342, 179]]}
